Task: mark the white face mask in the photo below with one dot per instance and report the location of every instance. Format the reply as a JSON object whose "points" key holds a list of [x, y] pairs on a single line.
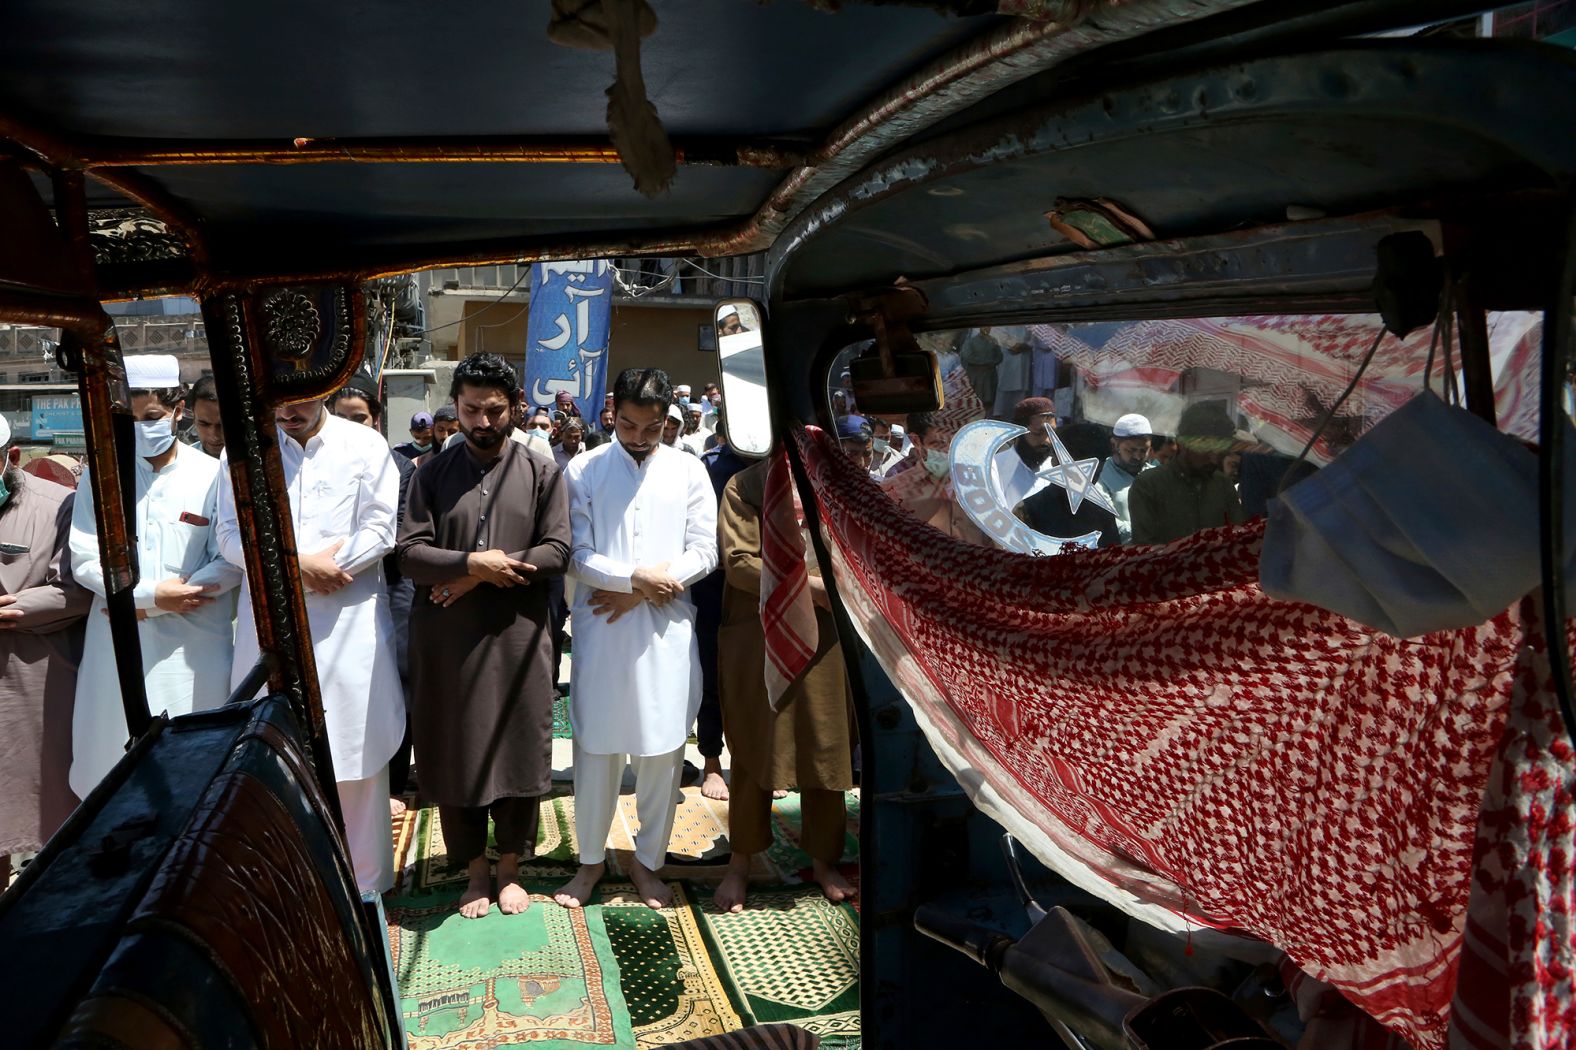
{"points": [[936, 463], [881, 444], [155, 436]]}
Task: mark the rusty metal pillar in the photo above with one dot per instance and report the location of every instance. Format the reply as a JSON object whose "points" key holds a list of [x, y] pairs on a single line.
{"points": [[93, 352]]}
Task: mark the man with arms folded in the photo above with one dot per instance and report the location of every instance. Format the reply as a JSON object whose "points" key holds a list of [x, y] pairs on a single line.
{"points": [[644, 521]]}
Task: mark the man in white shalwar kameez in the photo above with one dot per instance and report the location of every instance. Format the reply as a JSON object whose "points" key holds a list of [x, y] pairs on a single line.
{"points": [[643, 518], [344, 489], [185, 592]]}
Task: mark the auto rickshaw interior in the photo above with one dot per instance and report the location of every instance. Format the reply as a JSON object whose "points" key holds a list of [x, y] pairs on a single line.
{"points": [[1239, 168]]}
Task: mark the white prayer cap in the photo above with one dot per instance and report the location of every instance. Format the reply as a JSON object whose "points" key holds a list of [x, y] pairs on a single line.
{"points": [[1132, 425], [5, 432], [682, 388], [674, 412], [898, 433], [725, 311], [695, 408], [152, 372]]}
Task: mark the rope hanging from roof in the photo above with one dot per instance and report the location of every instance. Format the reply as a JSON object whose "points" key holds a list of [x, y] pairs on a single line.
{"points": [[637, 132]]}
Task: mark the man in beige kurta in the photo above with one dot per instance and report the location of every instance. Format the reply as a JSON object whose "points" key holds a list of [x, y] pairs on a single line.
{"points": [[805, 744], [41, 612]]}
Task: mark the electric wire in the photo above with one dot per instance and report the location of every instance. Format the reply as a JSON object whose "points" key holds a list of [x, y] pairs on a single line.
{"points": [[1330, 413]]}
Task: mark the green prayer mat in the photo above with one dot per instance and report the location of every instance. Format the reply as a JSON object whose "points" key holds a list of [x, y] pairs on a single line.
{"points": [[791, 955], [546, 977]]}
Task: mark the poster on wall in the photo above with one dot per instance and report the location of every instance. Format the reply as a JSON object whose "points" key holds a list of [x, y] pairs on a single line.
{"points": [[56, 414], [567, 333]]}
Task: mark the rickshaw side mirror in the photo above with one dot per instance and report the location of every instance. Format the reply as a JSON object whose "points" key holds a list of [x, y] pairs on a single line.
{"points": [[741, 356]]}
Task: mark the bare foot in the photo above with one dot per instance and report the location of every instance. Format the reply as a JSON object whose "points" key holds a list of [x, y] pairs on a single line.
{"points": [[577, 891], [396, 807], [779, 793], [512, 897], [713, 786], [836, 888], [477, 898], [652, 890], [731, 890]]}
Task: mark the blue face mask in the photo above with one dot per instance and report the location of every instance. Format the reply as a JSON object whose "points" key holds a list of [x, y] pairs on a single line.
{"points": [[937, 463], [155, 436]]}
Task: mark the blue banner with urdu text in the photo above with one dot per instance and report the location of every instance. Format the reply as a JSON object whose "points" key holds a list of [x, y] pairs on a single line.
{"points": [[567, 333]]}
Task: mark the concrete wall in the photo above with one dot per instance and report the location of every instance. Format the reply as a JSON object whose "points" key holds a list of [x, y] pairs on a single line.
{"points": [[642, 337]]}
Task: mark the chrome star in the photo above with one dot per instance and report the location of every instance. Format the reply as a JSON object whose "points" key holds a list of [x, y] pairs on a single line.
{"points": [[1075, 476]]}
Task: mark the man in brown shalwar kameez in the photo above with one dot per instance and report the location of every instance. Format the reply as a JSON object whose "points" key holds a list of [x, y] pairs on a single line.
{"points": [[41, 611], [804, 744], [486, 522]]}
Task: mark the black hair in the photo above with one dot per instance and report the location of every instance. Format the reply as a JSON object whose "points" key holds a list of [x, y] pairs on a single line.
{"points": [[205, 389], [486, 370], [445, 412], [920, 424], [1160, 441], [642, 386], [374, 406], [593, 438]]}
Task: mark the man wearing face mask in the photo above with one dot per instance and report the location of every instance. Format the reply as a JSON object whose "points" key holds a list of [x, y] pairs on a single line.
{"points": [[184, 596], [344, 491], [41, 611], [421, 437], [644, 522], [925, 492]]}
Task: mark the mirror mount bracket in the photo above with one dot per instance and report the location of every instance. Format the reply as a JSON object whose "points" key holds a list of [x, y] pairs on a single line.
{"points": [[895, 375]]}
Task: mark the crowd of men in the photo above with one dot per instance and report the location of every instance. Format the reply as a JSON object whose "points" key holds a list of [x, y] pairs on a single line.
{"points": [[438, 577], [1153, 488]]}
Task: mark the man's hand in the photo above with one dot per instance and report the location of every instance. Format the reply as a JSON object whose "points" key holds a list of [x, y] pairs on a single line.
{"points": [[614, 604], [319, 573], [175, 595], [653, 583], [446, 594], [498, 568], [9, 618], [818, 593]]}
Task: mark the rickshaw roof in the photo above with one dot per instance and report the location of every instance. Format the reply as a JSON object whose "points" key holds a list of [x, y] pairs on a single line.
{"points": [[102, 79], [332, 140]]}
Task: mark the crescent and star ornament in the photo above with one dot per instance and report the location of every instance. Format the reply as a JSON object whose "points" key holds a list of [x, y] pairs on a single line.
{"points": [[978, 489], [1076, 476]]}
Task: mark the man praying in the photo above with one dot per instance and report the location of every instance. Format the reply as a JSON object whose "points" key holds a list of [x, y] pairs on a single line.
{"points": [[486, 526], [644, 521], [344, 492]]}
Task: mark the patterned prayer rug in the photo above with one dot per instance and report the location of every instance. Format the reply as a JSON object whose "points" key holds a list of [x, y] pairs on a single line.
{"points": [[792, 955], [547, 977], [561, 730]]}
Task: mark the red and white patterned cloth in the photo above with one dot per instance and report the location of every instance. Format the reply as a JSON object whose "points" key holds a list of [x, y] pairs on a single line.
{"points": [[1165, 735], [1516, 988], [787, 611]]}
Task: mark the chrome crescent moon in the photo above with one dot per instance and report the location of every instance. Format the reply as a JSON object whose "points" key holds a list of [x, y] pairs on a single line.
{"points": [[978, 491]]}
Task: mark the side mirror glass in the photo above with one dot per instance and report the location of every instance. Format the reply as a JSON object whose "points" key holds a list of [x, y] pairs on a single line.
{"points": [[741, 355]]}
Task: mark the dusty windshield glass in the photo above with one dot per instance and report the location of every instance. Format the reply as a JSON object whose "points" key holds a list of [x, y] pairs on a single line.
{"points": [[1055, 436]]}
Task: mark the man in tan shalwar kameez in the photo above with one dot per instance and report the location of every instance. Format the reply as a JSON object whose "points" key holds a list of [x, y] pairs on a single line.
{"points": [[41, 612], [805, 744]]}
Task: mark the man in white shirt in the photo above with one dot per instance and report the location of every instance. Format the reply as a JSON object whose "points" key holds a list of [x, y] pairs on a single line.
{"points": [[694, 437], [344, 490], [643, 517], [184, 597]]}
